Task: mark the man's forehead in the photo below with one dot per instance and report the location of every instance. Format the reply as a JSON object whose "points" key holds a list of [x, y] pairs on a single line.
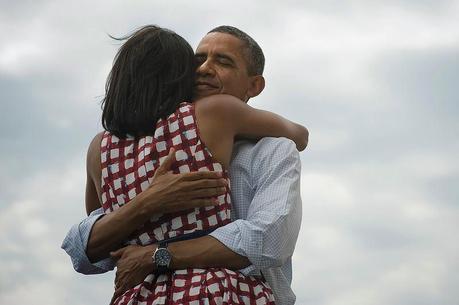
{"points": [[220, 43]]}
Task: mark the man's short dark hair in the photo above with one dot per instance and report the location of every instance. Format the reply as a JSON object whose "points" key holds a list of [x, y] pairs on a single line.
{"points": [[254, 54]]}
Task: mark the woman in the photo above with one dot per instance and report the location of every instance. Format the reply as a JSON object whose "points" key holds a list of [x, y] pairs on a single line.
{"points": [[146, 115]]}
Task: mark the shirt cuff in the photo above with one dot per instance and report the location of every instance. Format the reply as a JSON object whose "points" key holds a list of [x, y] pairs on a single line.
{"points": [[75, 244], [229, 236]]}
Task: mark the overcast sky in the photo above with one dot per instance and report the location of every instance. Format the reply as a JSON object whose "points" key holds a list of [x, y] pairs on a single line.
{"points": [[376, 83]]}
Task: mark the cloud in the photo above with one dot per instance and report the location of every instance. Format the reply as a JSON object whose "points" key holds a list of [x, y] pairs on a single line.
{"points": [[33, 227], [372, 245], [375, 82]]}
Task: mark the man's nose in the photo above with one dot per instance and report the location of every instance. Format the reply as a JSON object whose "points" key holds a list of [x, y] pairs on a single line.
{"points": [[205, 68]]}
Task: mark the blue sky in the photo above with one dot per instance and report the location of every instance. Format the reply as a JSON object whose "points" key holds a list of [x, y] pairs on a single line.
{"points": [[374, 81]]}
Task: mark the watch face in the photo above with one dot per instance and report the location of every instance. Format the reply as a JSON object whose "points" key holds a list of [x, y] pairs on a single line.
{"points": [[162, 257]]}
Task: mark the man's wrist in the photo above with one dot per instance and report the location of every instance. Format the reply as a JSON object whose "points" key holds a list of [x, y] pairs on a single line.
{"points": [[147, 257], [146, 207]]}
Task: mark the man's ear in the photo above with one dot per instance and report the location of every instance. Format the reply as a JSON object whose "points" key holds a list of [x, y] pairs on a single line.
{"points": [[257, 84]]}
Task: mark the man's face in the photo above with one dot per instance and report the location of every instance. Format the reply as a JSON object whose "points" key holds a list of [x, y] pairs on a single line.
{"points": [[221, 67]]}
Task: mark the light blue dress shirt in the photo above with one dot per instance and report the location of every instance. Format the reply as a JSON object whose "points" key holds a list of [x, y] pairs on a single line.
{"points": [[266, 213]]}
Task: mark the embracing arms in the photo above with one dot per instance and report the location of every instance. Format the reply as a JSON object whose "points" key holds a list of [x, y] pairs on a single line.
{"points": [[167, 193], [275, 209], [264, 236], [268, 210], [229, 114]]}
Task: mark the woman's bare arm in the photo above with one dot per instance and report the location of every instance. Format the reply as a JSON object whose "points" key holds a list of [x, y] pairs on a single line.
{"points": [[249, 122]]}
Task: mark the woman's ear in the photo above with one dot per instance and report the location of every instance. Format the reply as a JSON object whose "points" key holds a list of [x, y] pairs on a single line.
{"points": [[256, 86]]}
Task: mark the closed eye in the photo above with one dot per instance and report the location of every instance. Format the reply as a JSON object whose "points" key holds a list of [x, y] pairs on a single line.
{"points": [[225, 62], [199, 59]]}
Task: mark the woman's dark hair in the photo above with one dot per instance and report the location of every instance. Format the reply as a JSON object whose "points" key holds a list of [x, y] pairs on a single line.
{"points": [[153, 72]]}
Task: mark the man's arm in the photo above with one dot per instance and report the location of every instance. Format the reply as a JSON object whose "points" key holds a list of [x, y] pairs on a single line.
{"points": [[75, 245], [268, 234], [93, 238], [134, 262], [205, 252], [267, 237]]}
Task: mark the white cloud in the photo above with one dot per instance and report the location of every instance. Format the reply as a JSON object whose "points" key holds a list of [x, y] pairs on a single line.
{"points": [[32, 230], [373, 81], [16, 58]]}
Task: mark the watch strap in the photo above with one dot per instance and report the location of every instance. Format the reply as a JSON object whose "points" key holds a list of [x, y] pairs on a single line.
{"points": [[162, 244], [160, 269]]}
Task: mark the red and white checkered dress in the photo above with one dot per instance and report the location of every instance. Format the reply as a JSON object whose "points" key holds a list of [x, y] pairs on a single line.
{"points": [[128, 166]]}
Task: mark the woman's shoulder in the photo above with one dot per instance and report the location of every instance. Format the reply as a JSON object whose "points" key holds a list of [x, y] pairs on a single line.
{"points": [[95, 142], [223, 104], [93, 156], [215, 99]]}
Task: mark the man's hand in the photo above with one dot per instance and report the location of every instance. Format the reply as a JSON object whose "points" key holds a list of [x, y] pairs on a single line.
{"points": [[134, 263], [167, 193], [170, 192]]}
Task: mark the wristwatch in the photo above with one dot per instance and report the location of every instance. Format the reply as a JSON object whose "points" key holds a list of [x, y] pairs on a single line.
{"points": [[162, 258]]}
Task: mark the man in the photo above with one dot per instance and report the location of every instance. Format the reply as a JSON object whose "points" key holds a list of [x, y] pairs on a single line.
{"points": [[265, 179]]}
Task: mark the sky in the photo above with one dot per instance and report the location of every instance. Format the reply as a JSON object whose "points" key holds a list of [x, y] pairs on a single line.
{"points": [[375, 82]]}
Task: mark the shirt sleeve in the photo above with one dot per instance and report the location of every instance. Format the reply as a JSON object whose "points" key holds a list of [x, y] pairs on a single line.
{"points": [[268, 236], [76, 242]]}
